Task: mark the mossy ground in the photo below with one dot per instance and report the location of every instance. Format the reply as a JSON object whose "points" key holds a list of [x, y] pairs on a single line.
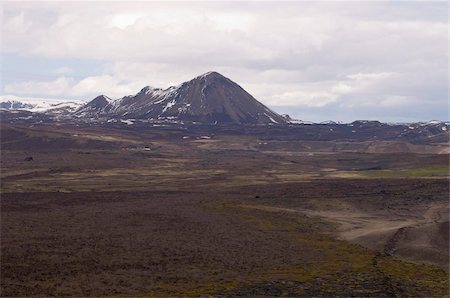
{"points": [[330, 267], [424, 172]]}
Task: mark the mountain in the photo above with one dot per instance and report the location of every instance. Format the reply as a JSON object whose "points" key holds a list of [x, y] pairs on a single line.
{"points": [[209, 98], [15, 105], [62, 108], [39, 105], [95, 106]]}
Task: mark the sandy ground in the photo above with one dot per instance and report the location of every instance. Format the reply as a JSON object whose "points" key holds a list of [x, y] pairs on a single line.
{"points": [[419, 234]]}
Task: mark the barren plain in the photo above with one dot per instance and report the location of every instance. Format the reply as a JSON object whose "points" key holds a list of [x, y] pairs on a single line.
{"points": [[113, 211]]}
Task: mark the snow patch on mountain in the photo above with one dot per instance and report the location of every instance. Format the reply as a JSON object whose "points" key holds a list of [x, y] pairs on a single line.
{"points": [[164, 94], [169, 105], [271, 119]]}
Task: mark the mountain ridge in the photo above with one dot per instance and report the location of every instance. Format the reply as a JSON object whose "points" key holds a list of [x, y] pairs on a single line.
{"points": [[210, 98], [19, 104]]}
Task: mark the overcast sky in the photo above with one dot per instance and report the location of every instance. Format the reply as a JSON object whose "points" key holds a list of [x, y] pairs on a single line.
{"points": [[314, 60]]}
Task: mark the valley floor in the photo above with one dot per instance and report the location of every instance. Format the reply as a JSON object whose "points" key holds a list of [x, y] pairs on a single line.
{"points": [[94, 211]]}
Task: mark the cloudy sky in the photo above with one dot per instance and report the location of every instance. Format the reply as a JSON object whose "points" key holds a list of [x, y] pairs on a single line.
{"points": [[384, 60]]}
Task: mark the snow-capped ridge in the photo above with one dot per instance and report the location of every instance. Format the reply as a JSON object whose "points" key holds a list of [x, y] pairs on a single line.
{"points": [[15, 105], [38, 105], [109, 99], [146, 90]]}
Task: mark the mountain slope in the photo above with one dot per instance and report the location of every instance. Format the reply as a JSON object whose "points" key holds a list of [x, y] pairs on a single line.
{"points": [[209, 98], [95, 106]]}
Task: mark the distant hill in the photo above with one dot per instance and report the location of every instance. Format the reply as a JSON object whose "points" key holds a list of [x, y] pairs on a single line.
{"points": [[39, 105]]}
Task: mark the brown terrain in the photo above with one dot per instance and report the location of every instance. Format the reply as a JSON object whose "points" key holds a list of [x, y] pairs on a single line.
{"points": [[97, 210]]}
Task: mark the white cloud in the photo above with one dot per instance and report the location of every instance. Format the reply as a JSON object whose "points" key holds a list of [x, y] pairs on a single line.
{"points": [[310, 99], [86, 88], [391, 101], [122, 21], [63, 70], [342, 88], [17, 23], [104, 84], [370, 76], [56, 87]]}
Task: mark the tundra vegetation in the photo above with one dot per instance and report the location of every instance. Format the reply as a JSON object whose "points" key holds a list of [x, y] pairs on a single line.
{"points": [[109, 210]]}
